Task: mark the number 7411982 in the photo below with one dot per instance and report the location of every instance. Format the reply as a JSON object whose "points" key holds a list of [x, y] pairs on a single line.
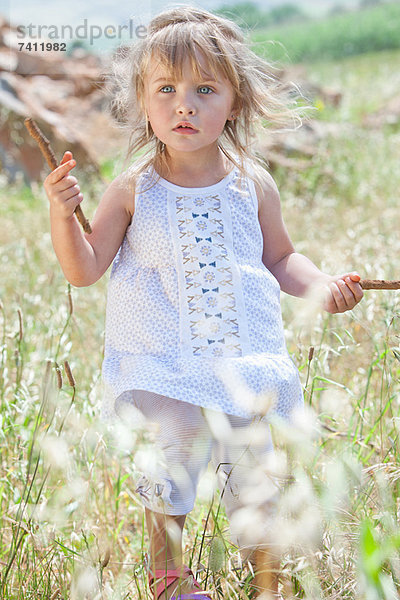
{"points": [[49, 46]]}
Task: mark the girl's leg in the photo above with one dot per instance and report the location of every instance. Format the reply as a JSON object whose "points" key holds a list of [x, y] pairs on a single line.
{"points": [[267, 568], [167, 489], [241, 457], [165, 533]]}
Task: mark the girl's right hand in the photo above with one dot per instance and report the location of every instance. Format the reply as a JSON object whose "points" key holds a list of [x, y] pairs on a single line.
{"points": [[62, 189]]}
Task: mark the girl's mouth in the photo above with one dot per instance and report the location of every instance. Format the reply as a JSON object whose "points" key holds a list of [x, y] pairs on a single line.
{"points": [[185, 130]]}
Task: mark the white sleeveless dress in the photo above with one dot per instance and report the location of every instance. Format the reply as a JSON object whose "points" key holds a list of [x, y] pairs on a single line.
{"points": [[192, 312]]}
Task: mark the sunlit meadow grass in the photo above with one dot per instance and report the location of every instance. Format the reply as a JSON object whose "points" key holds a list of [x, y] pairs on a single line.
{"points": [[71, 525], [348, 33]]}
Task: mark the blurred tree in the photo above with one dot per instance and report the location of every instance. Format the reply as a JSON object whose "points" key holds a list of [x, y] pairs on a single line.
{"points": [[337, 9], [285, 13], [249, 15], [245, 14], [367, 3]]}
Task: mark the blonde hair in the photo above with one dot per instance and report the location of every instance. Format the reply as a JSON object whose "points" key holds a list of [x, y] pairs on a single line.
{"points": [[180, 33]]}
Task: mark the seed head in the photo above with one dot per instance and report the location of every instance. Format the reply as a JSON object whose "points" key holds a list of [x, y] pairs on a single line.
{"points": [[106, 558], [70, 304], [68, 372], [59, 376], [21, 329]]}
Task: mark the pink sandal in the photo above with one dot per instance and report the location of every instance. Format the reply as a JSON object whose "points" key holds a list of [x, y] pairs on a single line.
{"points": [[167, 578]]}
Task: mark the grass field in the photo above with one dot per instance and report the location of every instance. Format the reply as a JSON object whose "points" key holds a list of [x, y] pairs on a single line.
{"points": [[371, 29], [71, 525]]}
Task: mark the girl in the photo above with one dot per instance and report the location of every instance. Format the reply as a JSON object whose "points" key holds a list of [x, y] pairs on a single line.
{"points": [[194, 337]]}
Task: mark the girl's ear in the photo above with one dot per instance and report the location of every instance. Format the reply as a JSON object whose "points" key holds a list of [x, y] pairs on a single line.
{"points": [[234, 115], [235, 112]]}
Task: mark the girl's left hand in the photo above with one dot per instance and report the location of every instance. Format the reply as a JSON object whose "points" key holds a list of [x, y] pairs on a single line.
{"points": [[344, 292]]}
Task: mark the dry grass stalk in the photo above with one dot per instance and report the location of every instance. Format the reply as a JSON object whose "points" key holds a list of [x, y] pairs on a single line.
{"points": [[48, 154]]}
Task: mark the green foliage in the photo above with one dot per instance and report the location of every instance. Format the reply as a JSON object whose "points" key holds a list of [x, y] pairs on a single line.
{"points": [[286, 13], [376, 552], [369, 30], [245, 14], [249, 15]]}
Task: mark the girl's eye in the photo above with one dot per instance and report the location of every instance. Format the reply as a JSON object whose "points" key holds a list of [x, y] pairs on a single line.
{"points": [[206, 87], [167, 88]]}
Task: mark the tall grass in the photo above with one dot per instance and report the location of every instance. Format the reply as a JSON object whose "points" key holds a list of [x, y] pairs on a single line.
{"points": [[365, 30], [71, 525]]}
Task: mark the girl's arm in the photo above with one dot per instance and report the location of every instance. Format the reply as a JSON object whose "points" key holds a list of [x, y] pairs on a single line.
{"points": [[296, 274], [84, 258]]}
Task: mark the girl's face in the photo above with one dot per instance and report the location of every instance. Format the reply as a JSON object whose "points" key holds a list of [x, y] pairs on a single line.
{"points": [[203, 103]]}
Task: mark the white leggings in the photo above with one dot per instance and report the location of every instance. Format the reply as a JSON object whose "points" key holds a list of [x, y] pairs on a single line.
{"points": [[186, 438]]}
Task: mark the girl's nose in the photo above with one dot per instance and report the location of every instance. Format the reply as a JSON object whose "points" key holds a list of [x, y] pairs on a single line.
{"points": [[185, 109], [186, 105]]}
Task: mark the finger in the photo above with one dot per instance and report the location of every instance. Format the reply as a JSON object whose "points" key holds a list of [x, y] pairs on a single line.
{"points": [[61, 171], [74, 201], [346, 294], [67, 203], [335, 288], [349, 299], [67, 156], [66, 183], [354, 276], [69, 194], [355, 288]]}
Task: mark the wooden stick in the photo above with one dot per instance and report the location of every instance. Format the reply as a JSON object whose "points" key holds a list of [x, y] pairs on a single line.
{"points": [[379, 284], [48, 154]]}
